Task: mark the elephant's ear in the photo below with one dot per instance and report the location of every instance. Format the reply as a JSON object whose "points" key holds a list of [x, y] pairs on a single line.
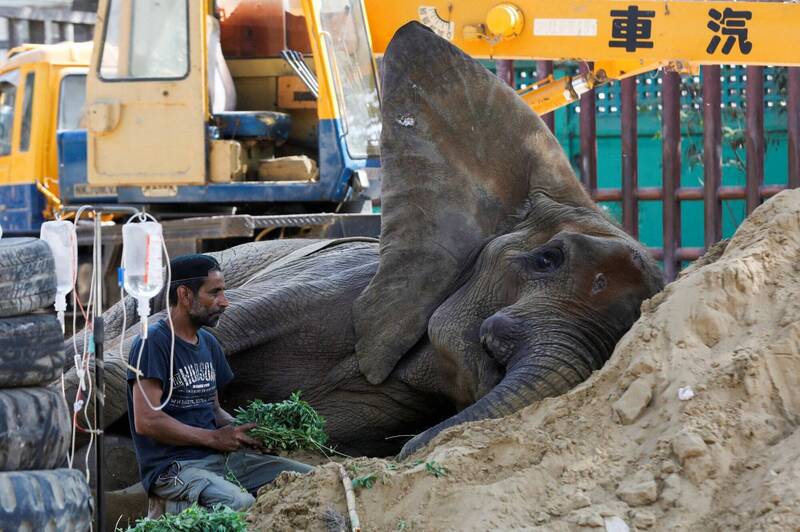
{"points": [[462, 156]]}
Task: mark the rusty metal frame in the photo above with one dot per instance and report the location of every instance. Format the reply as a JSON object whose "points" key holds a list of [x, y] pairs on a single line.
{"points": [[672, 193], [544, 69]]}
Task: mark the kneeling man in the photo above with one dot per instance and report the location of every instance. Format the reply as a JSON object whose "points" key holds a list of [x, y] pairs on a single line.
{"points": [[188, 450]]}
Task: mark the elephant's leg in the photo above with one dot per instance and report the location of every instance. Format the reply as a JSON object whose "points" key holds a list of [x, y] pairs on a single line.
{"points": [[454, 381], [376, 420], [461, 379], [425, 389]]}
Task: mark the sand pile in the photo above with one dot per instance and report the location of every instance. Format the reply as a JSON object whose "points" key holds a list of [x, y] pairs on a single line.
{"points": [[631, 448]]}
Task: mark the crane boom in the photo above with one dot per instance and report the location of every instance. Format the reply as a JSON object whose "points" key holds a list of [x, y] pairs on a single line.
{"points": [[621, 38]]}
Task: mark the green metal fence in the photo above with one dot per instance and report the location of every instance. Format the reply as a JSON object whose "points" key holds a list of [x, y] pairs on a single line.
{"points": [[609, 171]]}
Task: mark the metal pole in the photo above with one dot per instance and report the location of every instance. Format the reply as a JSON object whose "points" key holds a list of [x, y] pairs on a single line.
{"points": [[505, 71], [754, 141], [630, 158], [712, 153], [793, 127], [671, 170], [588, 138], [99, 370], [544, 69], [98, 337]]}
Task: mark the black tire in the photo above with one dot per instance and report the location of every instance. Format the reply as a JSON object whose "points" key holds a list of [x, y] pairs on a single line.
{"points": [[31, 350], [27, 276], [57, 500], [34, 429]]}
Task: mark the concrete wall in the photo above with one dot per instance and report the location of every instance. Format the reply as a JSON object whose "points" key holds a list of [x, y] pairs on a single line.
{"points": [[44, 21]]}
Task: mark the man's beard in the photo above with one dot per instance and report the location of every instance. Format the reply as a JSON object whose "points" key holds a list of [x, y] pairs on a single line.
{"points": [[201, 317]]}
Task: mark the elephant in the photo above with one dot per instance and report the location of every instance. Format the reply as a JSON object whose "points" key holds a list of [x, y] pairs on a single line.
{"points": [[496, 282]]}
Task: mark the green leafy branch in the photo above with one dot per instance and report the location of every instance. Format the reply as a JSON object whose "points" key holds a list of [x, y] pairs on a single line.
{"points": [[365, 482], [433, 467], [289, 425], [194, 519], [436, 469]]}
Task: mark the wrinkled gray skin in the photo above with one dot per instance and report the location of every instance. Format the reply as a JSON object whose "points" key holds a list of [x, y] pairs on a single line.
{"points": [[497, 281]]}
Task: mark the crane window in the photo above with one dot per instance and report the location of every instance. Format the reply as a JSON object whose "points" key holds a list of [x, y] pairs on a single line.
{"points": [[8, 95], [146, 39], [27, 113], [72, 98], [345, 31], [262, 28]]}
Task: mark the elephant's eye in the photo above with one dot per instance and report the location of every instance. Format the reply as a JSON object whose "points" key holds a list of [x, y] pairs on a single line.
{"points": [[548, 260]]}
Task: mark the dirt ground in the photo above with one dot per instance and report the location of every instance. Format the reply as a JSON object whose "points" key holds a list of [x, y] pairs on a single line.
{"points": [[691, 425]]}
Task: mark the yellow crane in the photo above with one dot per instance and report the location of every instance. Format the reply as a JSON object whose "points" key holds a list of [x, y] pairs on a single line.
{"points": [[621, 38]]}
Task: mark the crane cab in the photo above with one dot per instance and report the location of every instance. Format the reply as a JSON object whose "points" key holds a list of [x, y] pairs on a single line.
{"points": [[42, 88], [248, 102]]}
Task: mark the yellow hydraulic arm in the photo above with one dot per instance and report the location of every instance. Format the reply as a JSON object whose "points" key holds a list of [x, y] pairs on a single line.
{"points": [[622, 38]]}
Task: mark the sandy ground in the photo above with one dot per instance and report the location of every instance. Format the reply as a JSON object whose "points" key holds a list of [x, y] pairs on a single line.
{"points": [[631, 448]]}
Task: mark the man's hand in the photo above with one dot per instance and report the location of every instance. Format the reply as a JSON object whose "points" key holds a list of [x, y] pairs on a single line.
{"points": [[164, 428], [231, 438]]}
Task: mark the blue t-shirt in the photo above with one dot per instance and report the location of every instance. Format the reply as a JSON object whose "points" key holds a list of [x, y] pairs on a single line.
{"points": [[199, 371]]}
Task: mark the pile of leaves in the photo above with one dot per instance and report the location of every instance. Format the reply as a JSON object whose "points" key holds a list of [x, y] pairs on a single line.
{"points": [[289, 425], [194, 519]]}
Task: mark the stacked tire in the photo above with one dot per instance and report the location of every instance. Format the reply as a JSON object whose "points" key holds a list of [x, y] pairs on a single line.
{"points": [[35, 493]]}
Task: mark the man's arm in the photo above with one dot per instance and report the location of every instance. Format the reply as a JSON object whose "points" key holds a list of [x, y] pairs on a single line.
{"points": [[222, 417], [166, 429]]}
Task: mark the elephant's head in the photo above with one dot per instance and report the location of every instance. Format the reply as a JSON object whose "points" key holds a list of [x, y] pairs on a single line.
{"points": [[488, 241]]}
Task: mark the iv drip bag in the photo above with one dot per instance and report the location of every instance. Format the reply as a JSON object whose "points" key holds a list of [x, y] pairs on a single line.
{"points": [[60, 236], [143, 263]]}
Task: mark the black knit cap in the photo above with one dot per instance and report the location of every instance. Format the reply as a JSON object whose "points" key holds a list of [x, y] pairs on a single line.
{"points": [[192, 267]]}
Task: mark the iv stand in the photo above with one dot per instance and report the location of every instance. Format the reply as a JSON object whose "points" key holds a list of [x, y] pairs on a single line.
{"points": [[98, 335]]}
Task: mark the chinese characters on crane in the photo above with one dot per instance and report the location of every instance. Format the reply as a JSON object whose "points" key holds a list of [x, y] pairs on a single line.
{"points": [[632, 29], [730, 24]]}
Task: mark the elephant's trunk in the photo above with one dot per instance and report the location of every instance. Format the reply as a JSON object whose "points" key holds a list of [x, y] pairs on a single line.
{"points": [[528, 381]]}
